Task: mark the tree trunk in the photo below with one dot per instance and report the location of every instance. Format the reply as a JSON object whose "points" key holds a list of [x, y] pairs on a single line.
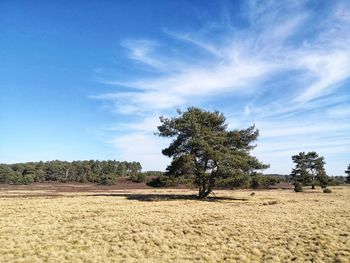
{"points": [[202, 191], [206, 188]]}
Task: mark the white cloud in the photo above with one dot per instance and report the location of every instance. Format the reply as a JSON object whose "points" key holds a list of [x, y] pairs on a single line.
{"points": [[329, 69]]}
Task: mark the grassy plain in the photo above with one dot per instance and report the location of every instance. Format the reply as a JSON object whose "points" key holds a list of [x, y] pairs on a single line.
{"points": [[171, 226]]}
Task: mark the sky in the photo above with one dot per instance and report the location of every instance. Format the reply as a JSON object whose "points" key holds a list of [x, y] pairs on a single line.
{"points": [[84, 80]]}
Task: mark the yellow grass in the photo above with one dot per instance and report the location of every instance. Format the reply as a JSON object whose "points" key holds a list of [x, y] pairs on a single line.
{"points": [[271, 226]]}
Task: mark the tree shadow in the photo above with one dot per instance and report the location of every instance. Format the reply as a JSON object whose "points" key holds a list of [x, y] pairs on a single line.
{"points": [[169, 197]]}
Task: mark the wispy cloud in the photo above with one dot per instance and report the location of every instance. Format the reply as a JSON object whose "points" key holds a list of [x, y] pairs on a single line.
{"points": [[142, 50], [190, 38], [328, 69], [288, 43]]}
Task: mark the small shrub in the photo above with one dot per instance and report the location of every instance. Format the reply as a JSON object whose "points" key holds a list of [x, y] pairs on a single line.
{"points": [[298, 187], [255, 183], [167, 181], [274, 202], [252, 194], [327, 190], [83, 179], [138, 178], [108, 179], [27, 179], [19, 179], [264, 181], [157, 182], [240, 181], [62, 180]]}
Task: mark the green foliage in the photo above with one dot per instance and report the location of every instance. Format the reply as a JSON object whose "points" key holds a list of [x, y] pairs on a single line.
{"points": [[78, 171], [153, 173], [159, 181], [6, 173], [336, 180], [323, 180], [122, 169], [169, 181], [327, 190], [18, 175], [309, 169], [205, 151], [27, 179], [17, 178], [263, 181], [108, 179], [241, 181], [138, 178], [298, 187], [238, 181]]}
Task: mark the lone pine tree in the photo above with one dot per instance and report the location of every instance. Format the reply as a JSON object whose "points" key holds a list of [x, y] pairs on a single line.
{"points": [[204, 149]]}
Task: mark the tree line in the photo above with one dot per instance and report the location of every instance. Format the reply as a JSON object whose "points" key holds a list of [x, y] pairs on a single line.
{"points": [[103, 172]]}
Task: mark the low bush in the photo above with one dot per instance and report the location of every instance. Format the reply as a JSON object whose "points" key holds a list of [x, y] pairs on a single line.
{"points": [[108, 179], [167, 181], [242, 181], [27, 179], [138, 178], [159, 181], [327, 190], [263, 181], [298, 187]]}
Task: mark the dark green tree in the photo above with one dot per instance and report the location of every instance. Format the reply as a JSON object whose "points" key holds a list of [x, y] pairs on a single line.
{"points": [[309, 169], [347, 171], [39, 172], [204, 150], [122, 169], [6, 173], [299, 173]]}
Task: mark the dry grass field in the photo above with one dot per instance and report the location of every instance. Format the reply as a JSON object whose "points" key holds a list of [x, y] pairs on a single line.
{"points": [[171, 226]]}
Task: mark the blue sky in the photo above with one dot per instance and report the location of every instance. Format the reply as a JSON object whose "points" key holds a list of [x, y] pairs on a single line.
{"points": [[89, 79]]}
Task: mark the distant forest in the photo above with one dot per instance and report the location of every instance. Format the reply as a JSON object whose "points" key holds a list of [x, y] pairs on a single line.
{"points": [[103, 172], [107, 172]]}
